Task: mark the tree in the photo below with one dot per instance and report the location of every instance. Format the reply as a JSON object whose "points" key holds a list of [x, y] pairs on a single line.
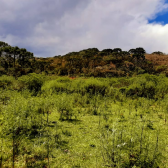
{"points": [[7, 52], [0, 52], [3, 44], [117, 50], [21, 58], [89, 52], [106, 52], [125, 53], [138, 53], [131, 51], [158, 53], [140, 50], [24, 57], [15, 51], [10, 55], [0, 57]]}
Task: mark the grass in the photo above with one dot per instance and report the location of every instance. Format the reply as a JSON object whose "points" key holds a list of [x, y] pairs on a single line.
{"points": [[89, 123]]}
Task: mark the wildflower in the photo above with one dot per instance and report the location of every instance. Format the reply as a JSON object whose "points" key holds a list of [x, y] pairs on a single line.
{"points": [[119, 145]]}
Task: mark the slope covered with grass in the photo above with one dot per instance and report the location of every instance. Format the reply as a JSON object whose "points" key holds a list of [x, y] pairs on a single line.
{"points": [[50, 121]]}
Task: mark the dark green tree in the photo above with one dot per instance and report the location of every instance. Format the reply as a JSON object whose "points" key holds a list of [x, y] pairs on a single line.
{"points": [[21, 57], [24, 57], [87, 54], [117, 50], [3, 44], [106, 52], [15, 51], [125, 53], [138, 53], [140, 50], [158, 53], [131, 51], [7, 54]]}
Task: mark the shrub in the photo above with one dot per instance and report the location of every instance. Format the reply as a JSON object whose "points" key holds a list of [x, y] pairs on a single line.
{"points": [[122, 146], [63, 79], [2, 71], [64, 107], [94, 86], [32, 81], [161, 68], [6, 81], [142, 86], [149, 86], [54, 86]]}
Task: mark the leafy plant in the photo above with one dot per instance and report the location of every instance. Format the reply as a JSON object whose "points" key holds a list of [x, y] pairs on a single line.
{"points": [[33, 82]]}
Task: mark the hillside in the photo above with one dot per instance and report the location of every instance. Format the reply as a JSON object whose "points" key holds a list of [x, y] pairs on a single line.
{"points": [[51, 121], [84, 109], [17, 61], [160, 62]]}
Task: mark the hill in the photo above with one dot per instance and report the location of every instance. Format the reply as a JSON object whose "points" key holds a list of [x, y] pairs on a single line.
{"points": [[88, 62], [52, 121]]}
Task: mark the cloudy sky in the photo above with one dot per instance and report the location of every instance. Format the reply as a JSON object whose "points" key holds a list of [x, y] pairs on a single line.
{"points": [[56, 27]]}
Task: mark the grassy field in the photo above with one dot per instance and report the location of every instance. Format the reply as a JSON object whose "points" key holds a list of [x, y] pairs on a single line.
{"points": [[50, 121]]}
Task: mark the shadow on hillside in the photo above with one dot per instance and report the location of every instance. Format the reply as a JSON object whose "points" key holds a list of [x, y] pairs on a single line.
{"points": [[73, 121]]}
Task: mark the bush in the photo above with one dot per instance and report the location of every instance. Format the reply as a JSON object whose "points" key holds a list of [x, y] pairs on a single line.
{"points": [[32, 81], [142, 87], [94, 86], [65, 108], [161, 68], [149, 86], [2, 71], [6, 81], [54, 86], [63, 79]]}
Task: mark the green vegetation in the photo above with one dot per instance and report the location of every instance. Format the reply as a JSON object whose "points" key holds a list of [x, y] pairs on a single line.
{"points": [[91, 62], [84, 109], [53, 121]]}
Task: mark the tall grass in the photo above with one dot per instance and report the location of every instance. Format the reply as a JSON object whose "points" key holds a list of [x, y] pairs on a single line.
{"points": [[84, 122]]}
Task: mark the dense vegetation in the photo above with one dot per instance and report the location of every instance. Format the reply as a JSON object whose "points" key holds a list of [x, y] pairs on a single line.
{"points": [[17, 61], [84, 109], [51, 121]]}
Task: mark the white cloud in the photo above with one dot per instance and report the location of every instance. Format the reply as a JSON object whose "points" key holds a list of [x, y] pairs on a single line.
{"points": [[116, 24], [60, 26]]}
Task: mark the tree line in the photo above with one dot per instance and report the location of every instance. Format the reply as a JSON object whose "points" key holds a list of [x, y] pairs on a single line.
{"points": [[88, 62], [12, 55]]}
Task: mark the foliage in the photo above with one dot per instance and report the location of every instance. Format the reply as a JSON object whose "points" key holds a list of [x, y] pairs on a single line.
{"points": [[158, 53], [161, 68], [6, 81], [148, 86], [17, 61], [73, 121], [94, 86], [32, 81]]}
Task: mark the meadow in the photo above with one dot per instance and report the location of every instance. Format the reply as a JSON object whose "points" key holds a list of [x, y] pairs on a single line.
{"points": [[59, 122]]}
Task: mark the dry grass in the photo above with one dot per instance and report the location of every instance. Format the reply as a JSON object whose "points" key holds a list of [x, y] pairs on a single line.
{"points": [[157, 60]]}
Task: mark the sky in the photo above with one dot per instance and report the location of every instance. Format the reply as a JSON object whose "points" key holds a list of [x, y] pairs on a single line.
{"points": [[161, 17], [56, 27]]}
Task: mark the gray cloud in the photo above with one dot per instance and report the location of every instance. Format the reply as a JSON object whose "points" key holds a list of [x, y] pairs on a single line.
{"points": [[53, 27]]}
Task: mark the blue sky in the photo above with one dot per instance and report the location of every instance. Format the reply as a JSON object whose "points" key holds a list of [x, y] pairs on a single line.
{"points": [[56, 27], [161, 18]]}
